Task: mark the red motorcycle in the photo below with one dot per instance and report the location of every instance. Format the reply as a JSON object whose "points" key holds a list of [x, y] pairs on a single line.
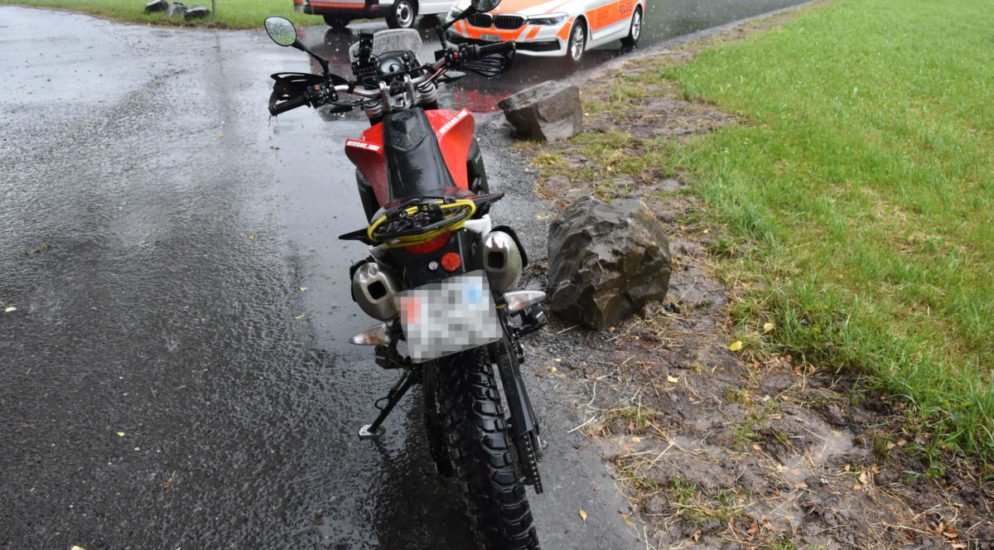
{"points": [[439, 276]]}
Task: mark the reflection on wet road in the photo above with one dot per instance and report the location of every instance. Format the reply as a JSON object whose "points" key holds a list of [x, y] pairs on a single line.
{"points": [[175, 374]]}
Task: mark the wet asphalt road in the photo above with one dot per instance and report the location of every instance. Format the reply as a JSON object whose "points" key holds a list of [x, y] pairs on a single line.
{"points": [[175, 374]]}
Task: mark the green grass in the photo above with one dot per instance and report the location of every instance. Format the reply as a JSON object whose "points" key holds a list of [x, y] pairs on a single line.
{"points": [[234, 14], [864, 176]]}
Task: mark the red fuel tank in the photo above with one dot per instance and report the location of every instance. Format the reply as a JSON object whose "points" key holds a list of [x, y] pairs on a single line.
{"points": [[453, 130]]}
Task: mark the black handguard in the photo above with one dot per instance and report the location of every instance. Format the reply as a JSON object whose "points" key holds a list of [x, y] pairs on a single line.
{"points": [[482, 59]]}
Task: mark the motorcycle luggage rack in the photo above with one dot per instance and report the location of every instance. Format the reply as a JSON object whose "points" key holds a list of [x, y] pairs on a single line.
{"points": [[482, 202]]}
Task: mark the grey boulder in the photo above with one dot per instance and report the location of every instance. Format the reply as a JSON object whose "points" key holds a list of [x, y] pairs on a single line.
{"points": [[548, 111], [606, 261]]}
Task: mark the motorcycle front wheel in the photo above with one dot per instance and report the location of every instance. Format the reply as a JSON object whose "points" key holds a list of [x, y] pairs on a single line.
{"points": [[481, 450]]}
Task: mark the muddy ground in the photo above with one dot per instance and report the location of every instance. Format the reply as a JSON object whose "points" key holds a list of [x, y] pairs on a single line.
{"points": [[711, 447]]}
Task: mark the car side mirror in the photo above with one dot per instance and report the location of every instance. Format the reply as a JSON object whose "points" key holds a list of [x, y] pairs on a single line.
{"points": [[483, 6], [281, 31]]}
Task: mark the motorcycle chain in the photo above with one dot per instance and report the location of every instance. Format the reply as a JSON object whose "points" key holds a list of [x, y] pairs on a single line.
{"points": [[529, 463]]}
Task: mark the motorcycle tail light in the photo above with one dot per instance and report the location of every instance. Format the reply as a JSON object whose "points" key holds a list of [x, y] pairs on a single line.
{"points": [[451, 261], [428, 247]]}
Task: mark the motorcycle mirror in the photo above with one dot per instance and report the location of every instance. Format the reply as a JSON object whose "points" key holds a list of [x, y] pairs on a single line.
{"points": [[476, 6], [281, 31], [483, 6]]}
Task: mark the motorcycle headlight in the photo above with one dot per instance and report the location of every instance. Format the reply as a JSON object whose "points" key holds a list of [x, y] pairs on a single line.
{"points": [[550, 19]]}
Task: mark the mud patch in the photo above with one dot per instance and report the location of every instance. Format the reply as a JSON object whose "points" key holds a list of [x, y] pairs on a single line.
{"points": [[719, 448]]}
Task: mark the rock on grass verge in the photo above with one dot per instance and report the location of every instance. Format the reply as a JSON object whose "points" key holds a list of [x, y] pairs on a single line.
{"points": [[715, 441]]}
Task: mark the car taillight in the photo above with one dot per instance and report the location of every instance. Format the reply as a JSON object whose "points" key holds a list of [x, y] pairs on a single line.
{"points": [[428, 247]]}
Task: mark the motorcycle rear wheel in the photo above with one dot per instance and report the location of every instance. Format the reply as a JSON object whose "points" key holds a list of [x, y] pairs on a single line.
{"points": [[482, 453]]}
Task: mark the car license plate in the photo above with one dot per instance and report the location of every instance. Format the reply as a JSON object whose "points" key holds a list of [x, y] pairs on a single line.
{"points": [[455, 315], [489, 37]]}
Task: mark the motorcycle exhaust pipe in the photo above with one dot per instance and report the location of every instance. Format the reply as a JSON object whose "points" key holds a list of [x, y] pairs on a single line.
{"points": [[375, 290], [502, 260]]}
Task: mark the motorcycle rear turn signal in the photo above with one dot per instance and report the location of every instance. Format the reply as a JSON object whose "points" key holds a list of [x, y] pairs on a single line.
{"points": [[520, 299], [373, 336]]}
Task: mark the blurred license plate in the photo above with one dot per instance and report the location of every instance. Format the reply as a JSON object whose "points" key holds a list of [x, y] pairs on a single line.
{"points": [[448, 317], [490, 37]]}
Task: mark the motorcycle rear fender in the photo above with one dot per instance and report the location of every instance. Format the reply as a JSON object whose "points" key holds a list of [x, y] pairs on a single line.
{"points": [[454, 132]]}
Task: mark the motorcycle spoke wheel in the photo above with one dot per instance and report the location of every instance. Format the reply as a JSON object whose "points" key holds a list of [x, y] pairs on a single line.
{"points": [[482, 453]]}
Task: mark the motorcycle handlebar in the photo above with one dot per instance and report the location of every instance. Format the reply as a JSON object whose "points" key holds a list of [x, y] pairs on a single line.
{"points": [[289, 104], [501, 47], [316, 97]]}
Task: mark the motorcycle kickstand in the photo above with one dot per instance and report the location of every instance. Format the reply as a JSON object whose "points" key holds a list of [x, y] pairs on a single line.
{"points": [[373, 431]]}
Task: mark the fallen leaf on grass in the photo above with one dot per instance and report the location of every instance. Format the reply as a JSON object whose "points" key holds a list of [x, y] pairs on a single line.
{"points": [[672, 379], [767, 327], [583, 515], [735, 346]]}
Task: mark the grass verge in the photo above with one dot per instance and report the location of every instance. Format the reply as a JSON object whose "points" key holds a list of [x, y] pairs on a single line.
{"points": [[231, 14], [866, 178], [860, 175]]}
